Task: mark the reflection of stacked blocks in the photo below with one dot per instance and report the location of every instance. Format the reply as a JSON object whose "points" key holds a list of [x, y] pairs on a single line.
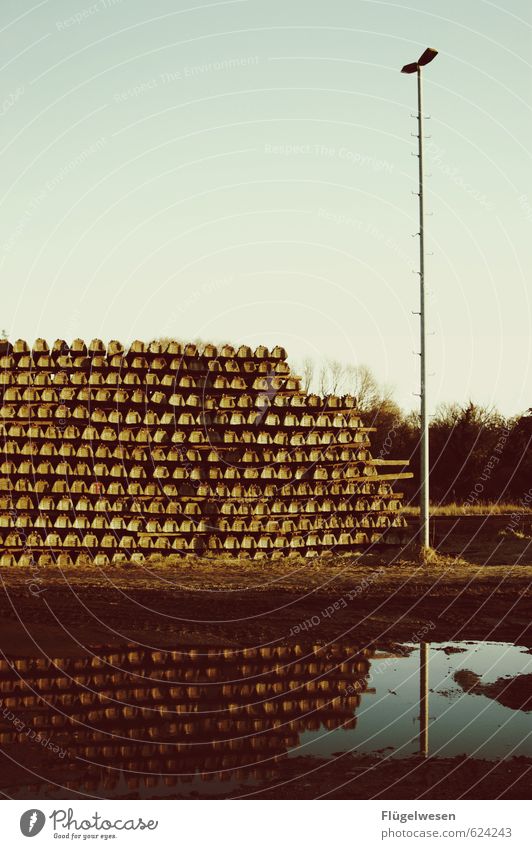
{"points": [[166, 449], [204, 710]]}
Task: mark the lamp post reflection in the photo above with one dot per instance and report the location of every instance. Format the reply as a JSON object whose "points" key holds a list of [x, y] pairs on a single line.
{"points": [[424, 699]]}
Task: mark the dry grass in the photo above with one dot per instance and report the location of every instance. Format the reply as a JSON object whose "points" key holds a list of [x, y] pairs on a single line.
{"points": [[497, 508]]}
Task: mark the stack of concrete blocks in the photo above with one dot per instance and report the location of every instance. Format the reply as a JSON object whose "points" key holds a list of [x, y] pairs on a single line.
{"points": [[111, 456]]}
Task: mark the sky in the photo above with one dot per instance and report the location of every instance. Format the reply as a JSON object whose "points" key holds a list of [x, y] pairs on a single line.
{"points": [[243, 171]]}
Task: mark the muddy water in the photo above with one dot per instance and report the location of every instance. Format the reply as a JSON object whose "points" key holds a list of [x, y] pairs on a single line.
{"points": [[208, 721]]}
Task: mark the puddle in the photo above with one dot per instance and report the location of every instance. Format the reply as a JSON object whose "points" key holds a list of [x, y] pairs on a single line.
{"points": [[388, 719], [136, 723]]}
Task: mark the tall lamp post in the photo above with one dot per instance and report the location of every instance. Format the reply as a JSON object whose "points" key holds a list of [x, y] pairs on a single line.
{"points": [[424, 538]]}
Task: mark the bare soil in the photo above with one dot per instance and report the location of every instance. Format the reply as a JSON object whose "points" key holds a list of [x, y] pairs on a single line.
{"points": [[366, 777], [375, 598], [515, 693], [477, 588]]}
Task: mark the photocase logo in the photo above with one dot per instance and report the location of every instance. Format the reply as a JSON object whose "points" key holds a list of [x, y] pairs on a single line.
{"points": [[32, 822]]}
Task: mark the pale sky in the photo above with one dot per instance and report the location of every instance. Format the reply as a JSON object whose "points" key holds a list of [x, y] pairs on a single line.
{"points": [[242, 170]]}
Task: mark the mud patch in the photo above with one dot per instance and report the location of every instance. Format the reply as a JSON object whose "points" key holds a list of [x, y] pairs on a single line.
{"points": [[514, 693]]}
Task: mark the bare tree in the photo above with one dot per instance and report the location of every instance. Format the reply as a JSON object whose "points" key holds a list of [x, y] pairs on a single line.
{"points": [[331, 379], [307, 373], [337, 378], [362, 383], [337, 373]]}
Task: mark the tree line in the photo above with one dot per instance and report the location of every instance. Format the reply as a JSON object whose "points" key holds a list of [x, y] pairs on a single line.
{"points": [[476, 453]]}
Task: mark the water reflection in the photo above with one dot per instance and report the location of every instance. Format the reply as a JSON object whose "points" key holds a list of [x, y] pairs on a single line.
{"points": [[205, 711], [204, 720], [424, 699]]}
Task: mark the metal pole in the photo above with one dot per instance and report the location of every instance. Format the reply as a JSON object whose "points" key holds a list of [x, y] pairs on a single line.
{"points": [[424, 441], [424, 699]]}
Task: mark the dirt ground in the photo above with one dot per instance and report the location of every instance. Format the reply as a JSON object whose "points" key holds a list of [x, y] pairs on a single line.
{"points": [[346, 776], [366, 777], [465, 593], [515, 693], [476, 589]]}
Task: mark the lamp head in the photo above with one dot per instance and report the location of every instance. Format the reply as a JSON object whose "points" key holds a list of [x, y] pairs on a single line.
{"points": [[427, 56], [424, 59]]}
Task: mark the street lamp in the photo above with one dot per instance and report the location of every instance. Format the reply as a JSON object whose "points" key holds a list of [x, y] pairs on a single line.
{"points": [[415, 68]]}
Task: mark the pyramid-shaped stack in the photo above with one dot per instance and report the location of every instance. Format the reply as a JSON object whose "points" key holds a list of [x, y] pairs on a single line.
{"points": [[166, 448]]}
